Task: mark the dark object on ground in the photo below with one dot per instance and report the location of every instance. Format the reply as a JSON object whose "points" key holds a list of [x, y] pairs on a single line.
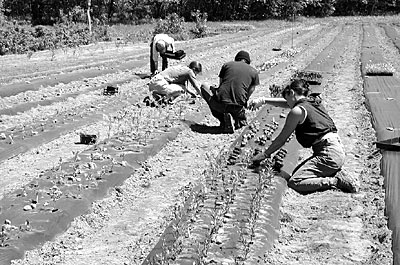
{"points": [[110, 90], [276, 49], [178, 55], [156, 100], [379, 69], [234, 155], [392, 144], [380, 74], [143, 76], [88, 138]]}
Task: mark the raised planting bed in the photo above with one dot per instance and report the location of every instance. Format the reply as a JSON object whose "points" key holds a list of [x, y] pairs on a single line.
{"points": [[47, 205], [371, 53], [393, 34], [233, 217], [326, 59], [381, 93]]}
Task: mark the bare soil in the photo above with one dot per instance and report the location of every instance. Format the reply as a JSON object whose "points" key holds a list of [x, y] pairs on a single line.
{"points": [[323, 228]]}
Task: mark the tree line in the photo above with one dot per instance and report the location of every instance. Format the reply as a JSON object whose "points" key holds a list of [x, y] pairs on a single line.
{"points": [[48, 12]]}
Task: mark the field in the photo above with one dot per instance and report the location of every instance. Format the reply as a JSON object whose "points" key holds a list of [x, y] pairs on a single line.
{"points": [[159, 186]]}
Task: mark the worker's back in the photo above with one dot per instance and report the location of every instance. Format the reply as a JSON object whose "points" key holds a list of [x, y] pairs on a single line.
{"points": [[236, 78]]}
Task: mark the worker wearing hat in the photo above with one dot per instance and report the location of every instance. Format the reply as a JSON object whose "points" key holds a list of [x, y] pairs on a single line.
{"points": [[228, 101], [160, 43]]}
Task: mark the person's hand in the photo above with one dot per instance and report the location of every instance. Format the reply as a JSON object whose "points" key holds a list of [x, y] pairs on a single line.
{"points": [[214, 89], [258, 159], [154, 73], [254, 104]]}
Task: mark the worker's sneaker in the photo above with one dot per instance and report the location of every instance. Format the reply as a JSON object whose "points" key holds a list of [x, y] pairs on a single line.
{"points": [[228, 123], [346, 182]]}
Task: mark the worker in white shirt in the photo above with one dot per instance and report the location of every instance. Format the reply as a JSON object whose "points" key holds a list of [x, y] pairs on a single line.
{"points": [[160, 43]]}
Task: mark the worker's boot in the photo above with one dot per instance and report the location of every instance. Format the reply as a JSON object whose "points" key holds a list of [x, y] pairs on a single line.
{"points": [[228, 123], [346, 182]]}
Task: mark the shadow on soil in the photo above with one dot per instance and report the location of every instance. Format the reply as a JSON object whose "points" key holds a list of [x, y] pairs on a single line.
{"points": [[143, 75], [204, 129]]}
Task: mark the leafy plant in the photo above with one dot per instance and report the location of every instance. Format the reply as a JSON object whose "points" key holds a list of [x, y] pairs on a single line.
{"points": [[314, 78], [200, 29], [172, 24]]}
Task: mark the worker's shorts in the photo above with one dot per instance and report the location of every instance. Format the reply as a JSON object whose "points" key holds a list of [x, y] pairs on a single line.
{"points": [[314, 173], [159, 85]]}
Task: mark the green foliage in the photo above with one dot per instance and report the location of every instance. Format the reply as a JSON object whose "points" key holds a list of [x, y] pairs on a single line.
{"points": [[49, 12], [22, 38], [319, 8], [173, 24], [200, 29]]}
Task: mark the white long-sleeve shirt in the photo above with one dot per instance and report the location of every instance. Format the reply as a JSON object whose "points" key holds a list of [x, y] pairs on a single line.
{"points": [[169, 44]]}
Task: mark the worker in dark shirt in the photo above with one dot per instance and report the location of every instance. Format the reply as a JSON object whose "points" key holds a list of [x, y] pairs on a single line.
{"points": [[228, 101], [314, 129]]}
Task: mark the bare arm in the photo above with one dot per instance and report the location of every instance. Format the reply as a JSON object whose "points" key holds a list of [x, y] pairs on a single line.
{"points": [[293, 119], [195, 83], [173, 46], [277, 102]]}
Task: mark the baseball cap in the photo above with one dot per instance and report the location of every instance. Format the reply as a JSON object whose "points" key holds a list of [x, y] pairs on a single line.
{"points": [[243, 55]]}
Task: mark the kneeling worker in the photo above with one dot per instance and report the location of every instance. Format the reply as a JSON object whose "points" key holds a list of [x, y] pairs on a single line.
{"points": [[314, 129], [237, 81], [173, 81]]}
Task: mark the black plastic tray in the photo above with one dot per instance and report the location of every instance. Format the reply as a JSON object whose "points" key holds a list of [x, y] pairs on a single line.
{"points": [[389, 144], [110, 90], [88, 138], [178, 55]]}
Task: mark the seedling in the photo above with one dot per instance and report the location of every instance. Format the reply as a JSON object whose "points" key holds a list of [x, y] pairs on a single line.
{"points": [[3, 237], [76, 156]]}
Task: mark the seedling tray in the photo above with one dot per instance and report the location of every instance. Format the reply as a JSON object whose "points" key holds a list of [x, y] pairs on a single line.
{"points": [[110, 90], [312, 77], [178, 55], [390, 144], [88, 138]]}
